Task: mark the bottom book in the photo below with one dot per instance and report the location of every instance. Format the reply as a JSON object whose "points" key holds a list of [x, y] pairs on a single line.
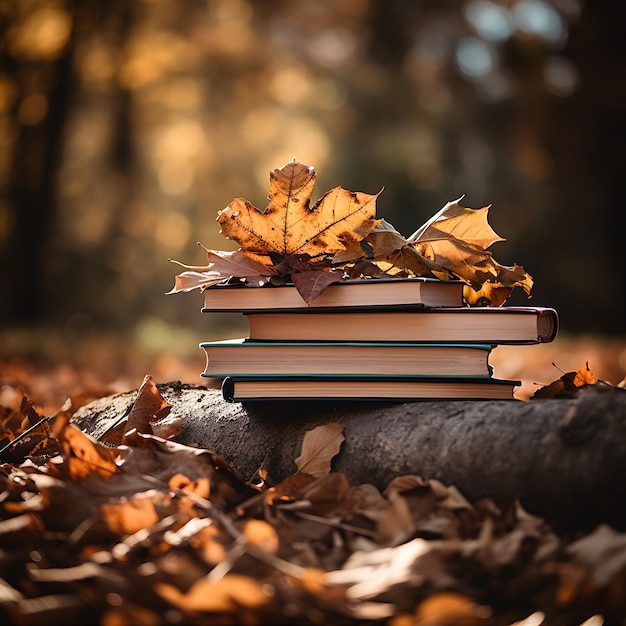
{"points": [[248, 388]]}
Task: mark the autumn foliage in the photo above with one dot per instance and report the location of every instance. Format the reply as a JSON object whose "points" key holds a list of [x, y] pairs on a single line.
{"points": [[134, 528], [339, 238]]}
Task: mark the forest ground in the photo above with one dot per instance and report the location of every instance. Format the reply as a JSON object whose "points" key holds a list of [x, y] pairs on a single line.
{"points": [[155, 543]]}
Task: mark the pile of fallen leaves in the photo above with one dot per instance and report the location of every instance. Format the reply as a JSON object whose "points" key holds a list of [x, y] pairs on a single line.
{"points": [[339, 238], [137, 529]]}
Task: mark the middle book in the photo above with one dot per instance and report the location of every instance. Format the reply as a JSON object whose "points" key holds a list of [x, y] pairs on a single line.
{"points": [[249, 357]]}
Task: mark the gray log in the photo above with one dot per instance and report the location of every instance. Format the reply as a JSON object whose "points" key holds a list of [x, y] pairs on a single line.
{"points": [[564, 459]]}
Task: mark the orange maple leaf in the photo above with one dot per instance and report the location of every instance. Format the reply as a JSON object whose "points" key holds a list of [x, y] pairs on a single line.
{"points": [[290, 226]]}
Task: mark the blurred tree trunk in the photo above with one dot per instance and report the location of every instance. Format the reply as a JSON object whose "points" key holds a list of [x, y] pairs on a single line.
{"points": [[32, 195], [37, 156]]}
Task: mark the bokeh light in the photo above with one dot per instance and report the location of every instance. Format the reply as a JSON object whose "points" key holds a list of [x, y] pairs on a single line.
{"points": [[124, 129]]}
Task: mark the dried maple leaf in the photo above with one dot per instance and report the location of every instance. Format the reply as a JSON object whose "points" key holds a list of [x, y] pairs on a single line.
{"points": [[289, 225], [457, 238], [454, 220]]}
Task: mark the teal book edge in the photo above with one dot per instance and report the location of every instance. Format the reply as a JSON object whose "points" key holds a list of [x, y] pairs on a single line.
{"points": [[235, 343]]}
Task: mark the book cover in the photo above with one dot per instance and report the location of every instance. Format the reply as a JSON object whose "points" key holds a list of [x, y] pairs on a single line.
{"points": [[416, 292], [246, 357], [365, 388], [485, 325]]}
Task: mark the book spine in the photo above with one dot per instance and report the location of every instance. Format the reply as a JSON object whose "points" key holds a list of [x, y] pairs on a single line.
{"points": [[548, 324], [228, 389]]}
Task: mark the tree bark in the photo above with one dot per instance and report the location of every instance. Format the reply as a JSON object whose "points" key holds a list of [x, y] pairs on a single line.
{"points": [[564, 459]]}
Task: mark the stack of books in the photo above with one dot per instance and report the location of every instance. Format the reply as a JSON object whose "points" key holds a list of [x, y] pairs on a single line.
{"points": [[370, 339]]}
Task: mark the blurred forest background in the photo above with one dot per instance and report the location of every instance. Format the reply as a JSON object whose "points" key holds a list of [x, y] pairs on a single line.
{"points": [[126, 126]]}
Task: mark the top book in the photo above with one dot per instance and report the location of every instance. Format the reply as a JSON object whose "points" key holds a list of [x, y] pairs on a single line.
{"points": [[392, 292]]}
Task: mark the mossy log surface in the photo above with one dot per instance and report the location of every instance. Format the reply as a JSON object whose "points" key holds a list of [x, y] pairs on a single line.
{"points": [[564, 459]]}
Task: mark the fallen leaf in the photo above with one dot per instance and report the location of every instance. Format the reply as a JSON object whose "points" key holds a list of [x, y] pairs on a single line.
{"points": [[603, 552], [222, 266], [289, 489], [369, 574], [407, 261], [382, 241], [24, 432], [584, 376], [311, 284], [130, 516], [83, 456], [161, 459], [319, 446], [462, 223], [569, 384], [167, 427], [325, 493], [457, 238], [225, 595], [63, 504], [200, 487], [209, 542], [261, 535], [149, 406], [195, 279], [451, 609]]}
